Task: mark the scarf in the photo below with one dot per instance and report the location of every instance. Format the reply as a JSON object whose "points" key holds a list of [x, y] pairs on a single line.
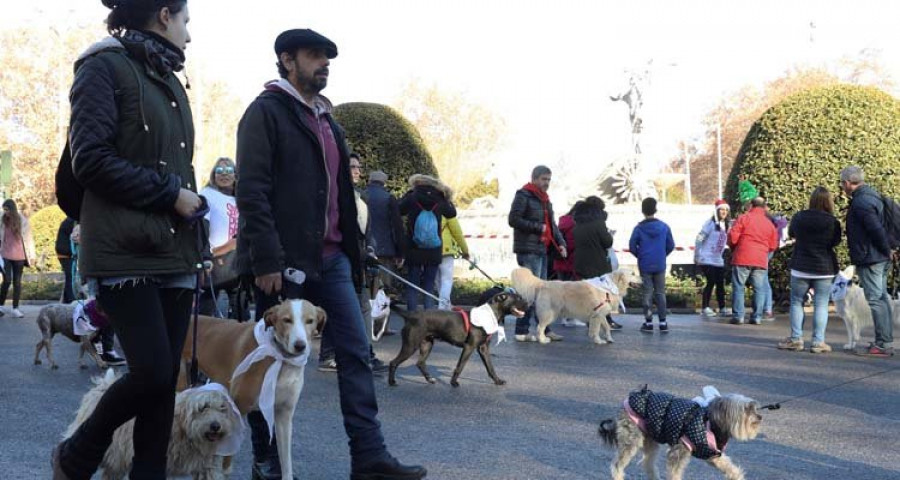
{"points": [[484, 317], [265, 338], [547, 234], [160, 53]]}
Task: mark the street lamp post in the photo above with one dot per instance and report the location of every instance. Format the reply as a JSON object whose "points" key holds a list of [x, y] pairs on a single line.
{"points": [[719, 153]]}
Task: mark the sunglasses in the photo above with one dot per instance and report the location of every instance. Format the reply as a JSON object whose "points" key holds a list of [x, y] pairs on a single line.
{"points": [[224, 170]]}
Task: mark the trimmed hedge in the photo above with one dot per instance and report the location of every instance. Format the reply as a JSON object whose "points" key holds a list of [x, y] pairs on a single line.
{"points": [[44, 226], [386, 141], [806, 140]]}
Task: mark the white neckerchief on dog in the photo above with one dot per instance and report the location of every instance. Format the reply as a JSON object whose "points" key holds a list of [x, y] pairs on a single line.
{"points": [[81, 325], [483, 317], [839, 287], [231, 443], [266, 340]]}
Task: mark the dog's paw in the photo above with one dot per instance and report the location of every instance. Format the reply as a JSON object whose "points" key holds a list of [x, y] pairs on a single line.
{"points": [[599, 341], [543, 339], [454, 383], [431, 380], [849, 346], [609, 339], [500, 382], [54, 367], [37, 362]]}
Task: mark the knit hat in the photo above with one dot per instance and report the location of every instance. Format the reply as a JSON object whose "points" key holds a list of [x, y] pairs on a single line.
{"points": [[746, 191], [378, 176], [720, 203]]}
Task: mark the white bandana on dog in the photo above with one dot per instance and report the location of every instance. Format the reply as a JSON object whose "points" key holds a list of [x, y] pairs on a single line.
{"points": [[81, 325], [607, 284], [266, 340], [483, 317], [381, 308], [839, 287], [231, 443]]}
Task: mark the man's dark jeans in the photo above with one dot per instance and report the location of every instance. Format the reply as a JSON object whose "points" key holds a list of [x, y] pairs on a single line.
{"points": [[538, 265], [336, 293]]}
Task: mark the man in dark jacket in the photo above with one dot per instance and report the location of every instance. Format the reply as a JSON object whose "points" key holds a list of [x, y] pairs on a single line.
{"points": [[651, 242], [298, 213], [534, 231], [871, 254], [386, 234]]}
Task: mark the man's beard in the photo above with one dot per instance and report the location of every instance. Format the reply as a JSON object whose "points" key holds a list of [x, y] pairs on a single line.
{"points": [[311, 84]]}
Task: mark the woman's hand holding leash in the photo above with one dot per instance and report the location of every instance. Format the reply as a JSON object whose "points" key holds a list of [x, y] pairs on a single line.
{"points": [[187, 203]]}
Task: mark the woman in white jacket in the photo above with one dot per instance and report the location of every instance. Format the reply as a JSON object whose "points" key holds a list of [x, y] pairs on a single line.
{"points": [[708, 251], [17, 249]]}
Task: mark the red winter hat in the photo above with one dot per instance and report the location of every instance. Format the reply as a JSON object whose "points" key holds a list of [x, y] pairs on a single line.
{"points": [[722, 203]]}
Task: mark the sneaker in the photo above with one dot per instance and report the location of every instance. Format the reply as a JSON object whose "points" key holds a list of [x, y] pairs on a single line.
{"points": [[327, 365], [554, 337], [647, 327], [17, 313], [663, 327], [708, 312], [768, 317], [791, 344], [818, 347], [112, 359], [377, 366], [754, 321], [526, 337], [613, 325], [573, 322], [875, 351], [724, 312], [737, 321], [567, 322]]}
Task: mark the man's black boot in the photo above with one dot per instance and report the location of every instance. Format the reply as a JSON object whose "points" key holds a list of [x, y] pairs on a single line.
{"points": [[388, 468], [266, 465]]}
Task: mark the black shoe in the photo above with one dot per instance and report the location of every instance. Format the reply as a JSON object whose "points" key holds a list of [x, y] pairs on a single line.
{"points": [[112, 359], [268, 470], [378, 366], [389, 469], [647, 327], [663, 327], [613, 325]]}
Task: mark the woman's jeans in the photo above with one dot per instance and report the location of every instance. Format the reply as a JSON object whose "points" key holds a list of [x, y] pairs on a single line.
{"points": [[799, 287], [151, 323], [422, 276], [739, 277], [12, 273]]}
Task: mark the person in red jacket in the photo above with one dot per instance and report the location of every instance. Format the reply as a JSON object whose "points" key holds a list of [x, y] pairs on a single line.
{"points": [[565, 266], [751, 239]]}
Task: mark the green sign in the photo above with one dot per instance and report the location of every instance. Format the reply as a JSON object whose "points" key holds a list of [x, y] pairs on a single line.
{"points": [[5, 167]]}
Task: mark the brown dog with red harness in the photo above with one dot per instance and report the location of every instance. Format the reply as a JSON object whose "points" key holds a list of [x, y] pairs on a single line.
{"points": [[421, 328]]}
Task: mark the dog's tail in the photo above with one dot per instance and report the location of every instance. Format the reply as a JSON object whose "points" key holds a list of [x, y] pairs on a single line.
{"points": [[607, 432]]}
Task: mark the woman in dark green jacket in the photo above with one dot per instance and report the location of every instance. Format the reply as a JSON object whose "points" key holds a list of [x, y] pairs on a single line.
{"points": [[131, 137], [592, 243]]}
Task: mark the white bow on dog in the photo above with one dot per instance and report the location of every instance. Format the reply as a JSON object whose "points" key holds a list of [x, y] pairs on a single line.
{"points": [[81, 325], [266, 340], [483, 317], [229, 445], [709, 394]]}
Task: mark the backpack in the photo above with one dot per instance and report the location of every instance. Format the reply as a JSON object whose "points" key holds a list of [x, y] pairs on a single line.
{"points": [[69, 193], [891, 221], [425, 230]]}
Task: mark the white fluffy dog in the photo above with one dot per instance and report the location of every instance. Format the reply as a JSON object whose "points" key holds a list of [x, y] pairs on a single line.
{"points": [[204, 420], [851, 305], [554, 299], [699, 427]]}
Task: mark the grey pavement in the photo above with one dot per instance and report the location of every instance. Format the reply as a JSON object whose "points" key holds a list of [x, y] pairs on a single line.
{"points": [[543, 423]]}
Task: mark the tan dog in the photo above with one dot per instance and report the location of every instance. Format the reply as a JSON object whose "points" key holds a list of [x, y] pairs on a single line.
{"points": [[554, 299], [203, 419], [57, 319], [223, 344]]}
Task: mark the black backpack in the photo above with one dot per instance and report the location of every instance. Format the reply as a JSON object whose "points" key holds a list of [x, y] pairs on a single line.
{"points": [[891, 221], [69, 193]]}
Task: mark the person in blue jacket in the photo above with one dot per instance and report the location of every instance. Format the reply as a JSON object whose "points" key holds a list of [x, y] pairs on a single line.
{"points": [[651, 242]]}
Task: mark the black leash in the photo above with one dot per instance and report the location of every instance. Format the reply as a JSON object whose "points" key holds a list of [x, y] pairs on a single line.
{"points": [[777, 406], [197, 221], [474, 266]]}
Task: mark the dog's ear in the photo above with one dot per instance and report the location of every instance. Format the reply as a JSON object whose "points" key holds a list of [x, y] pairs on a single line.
{"points": [[270, 316], [500, 298], [321, 318]]}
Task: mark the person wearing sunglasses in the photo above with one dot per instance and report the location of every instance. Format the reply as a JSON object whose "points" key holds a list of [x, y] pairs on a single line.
{"points": [[223, 228]]}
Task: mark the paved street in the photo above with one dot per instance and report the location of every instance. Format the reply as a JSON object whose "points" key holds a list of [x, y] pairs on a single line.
{"points": [[543, 423]]}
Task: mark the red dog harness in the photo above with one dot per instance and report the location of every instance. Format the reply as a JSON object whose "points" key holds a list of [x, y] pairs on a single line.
{"points": [[604, 302], [465, 317]]}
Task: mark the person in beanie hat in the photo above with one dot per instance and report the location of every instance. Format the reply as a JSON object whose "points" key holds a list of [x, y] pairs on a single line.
{"points": [[651, 242], [299, 211], [752, 238], [708, 250], [746, 191]]}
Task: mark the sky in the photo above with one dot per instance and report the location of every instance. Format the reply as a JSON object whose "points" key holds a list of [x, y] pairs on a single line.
{"points": [[547, 67]]}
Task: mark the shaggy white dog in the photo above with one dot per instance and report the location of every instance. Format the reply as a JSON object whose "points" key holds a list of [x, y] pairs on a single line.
{"points": [[205, 420], [851, 305]]}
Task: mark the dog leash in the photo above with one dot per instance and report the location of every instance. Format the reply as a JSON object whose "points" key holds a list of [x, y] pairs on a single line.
{"points": [[474, 266], [196, 219], [777, 405], [372, 259]]}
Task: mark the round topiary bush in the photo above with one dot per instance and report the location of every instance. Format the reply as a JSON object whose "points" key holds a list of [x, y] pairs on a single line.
{"points": [[806, 140], [386, 141], [44, 226]]}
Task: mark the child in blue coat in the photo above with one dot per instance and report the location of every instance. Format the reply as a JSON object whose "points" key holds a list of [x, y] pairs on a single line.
{"points": [[651, 242]]}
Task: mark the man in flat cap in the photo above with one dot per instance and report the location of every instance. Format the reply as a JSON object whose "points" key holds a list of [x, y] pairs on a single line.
{"points": [[298, 213]]}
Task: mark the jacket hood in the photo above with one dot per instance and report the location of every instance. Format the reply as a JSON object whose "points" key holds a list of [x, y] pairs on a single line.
{"points": [[653, 227], [421, 180], [105, 44], [321, 104]]}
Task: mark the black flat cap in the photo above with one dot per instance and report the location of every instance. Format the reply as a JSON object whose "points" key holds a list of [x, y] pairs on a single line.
{"points": [[291, 40]]}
